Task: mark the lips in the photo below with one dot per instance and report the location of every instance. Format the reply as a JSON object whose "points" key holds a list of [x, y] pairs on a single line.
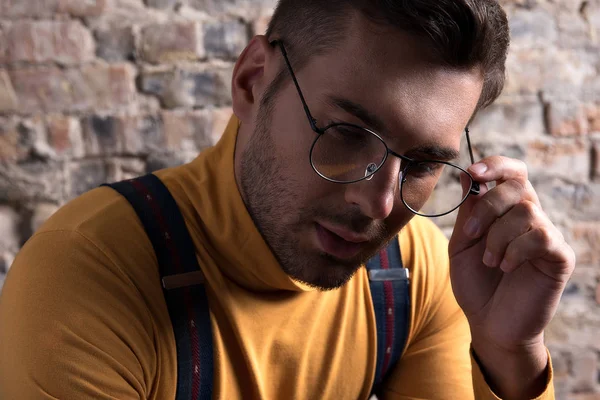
{"points": [[334, 244]]}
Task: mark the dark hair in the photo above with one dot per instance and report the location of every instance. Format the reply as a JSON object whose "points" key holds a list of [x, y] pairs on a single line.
{"points": [[459, 33]]}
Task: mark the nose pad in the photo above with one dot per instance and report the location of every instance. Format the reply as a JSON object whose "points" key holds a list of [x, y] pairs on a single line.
{"points": [[371, 168]]}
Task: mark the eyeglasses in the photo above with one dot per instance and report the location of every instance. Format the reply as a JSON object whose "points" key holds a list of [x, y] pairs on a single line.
{"points": [[347, 153]]}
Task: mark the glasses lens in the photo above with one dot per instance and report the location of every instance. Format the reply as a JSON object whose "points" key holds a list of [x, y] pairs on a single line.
{"points": [[347, 153], [433, 188]]}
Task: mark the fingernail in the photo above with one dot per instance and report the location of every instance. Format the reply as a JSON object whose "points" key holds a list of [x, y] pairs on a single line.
{"points": [[489, 259], [505, 266], [478, 169], [472, 227]]}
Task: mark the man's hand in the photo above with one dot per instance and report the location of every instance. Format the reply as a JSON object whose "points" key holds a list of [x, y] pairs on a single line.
{"points": [[509, 266]]}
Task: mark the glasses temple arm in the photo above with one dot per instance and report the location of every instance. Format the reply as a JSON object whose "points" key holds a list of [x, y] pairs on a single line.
{"points": [[469, 145], [311, 120], [475, 188]]}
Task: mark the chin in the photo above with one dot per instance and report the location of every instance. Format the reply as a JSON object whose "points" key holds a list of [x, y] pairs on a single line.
{"points": [[328, 273]]}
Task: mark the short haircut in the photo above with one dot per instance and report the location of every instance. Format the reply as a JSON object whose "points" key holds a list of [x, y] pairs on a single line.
{"points": [[461, 34]]}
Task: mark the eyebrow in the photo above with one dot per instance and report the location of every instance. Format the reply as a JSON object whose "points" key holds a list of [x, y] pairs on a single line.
{"points": [[373, 122], [368, 118], [437, 153]]}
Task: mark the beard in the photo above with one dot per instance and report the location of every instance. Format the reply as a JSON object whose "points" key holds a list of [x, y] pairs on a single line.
{"points": [[274, 197]]}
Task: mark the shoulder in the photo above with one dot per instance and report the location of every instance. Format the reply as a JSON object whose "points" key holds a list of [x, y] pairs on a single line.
{"points": [[98, 234], [96, 213], [82, 285]]}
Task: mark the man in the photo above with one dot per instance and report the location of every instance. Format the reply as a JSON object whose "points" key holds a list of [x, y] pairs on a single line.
{"points": [[283, 212]]}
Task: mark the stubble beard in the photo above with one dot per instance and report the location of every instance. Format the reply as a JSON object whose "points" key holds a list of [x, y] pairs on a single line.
{"points": [[272, 203]]}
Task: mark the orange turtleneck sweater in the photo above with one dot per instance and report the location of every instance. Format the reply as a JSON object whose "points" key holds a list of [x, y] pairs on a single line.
{"points": [[82, 313]]}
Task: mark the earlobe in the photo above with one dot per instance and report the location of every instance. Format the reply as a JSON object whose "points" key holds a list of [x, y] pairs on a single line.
{"points": [[249, 77]]}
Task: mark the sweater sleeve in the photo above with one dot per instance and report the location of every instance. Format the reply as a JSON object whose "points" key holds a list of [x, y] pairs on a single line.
{"points": [[437, 362], [72, 325]]}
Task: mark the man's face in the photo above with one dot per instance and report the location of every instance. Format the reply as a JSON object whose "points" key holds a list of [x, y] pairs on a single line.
{"points": [[321, 232]]}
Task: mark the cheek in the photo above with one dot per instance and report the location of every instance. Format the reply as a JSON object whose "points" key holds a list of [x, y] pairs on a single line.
{"points": [[292, 142], [399, 217]]}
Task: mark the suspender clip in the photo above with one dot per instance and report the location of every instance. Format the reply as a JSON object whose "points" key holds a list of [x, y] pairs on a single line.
{"points": [[394, 274], [170, 282]]}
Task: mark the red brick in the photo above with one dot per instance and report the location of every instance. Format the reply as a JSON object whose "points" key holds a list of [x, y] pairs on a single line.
{"points": [[585, 239], [18, 137], [568, 159], [194, 130], [584, 396], [183, 129], [86, 175], [585, 371], [83, 8], [248, 10], [566, 119], [28, 8], [161, 4], [115, 44], [10, 222], [48, 8], [65, 42], [123, 135], [10, 148], [125, 168], [64, 136], [32, 180], [93, 87], [8, 98], [189, 86], [225, 39], [143, 135], [102, 135], [172, 42]]}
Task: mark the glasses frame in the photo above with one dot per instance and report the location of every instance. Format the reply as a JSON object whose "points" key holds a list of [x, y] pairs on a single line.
{"points": [[474, 189]]}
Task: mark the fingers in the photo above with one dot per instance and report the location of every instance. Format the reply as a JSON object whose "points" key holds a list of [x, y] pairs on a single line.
{"points": [[508, 219], [493, 205], [498, 168], [541, 242], [512, 188], [521, 219], [525, 233], [502, 169]]}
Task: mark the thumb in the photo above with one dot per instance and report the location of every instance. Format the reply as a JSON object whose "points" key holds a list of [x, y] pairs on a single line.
{"points": [[460, 240]]}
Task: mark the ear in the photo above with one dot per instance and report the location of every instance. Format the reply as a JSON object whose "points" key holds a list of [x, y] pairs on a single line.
{"points": [[251, 76]]}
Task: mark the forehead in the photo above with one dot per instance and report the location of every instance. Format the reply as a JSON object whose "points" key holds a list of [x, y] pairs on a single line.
{"points": [[390, 74]]}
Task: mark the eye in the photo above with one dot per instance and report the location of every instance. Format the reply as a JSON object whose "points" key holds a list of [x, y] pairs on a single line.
{"points": [[425, 168], [349, 135]]}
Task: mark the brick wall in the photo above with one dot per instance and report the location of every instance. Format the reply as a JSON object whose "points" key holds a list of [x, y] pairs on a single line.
{"points": [[101, 90]]}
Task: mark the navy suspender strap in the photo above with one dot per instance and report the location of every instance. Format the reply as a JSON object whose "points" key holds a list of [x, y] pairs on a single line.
{"points": [[389, 283], [188, 305], [182, 280]]}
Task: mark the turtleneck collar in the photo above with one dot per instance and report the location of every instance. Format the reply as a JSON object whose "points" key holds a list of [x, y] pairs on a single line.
{"points": [[222, 219]]}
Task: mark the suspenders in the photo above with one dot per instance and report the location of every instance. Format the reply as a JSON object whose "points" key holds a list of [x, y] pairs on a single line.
{"points": [[186, 298], [188, 305], [388, 281]]}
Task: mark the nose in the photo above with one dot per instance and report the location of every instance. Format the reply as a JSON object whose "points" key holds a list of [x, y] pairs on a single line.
{"points": [[376, 196]]}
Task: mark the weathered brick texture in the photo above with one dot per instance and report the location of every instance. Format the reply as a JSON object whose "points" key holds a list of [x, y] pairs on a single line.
{"points": [[171, 42], [88, 88], [103, 90], [51, 8], [63, 42]]}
